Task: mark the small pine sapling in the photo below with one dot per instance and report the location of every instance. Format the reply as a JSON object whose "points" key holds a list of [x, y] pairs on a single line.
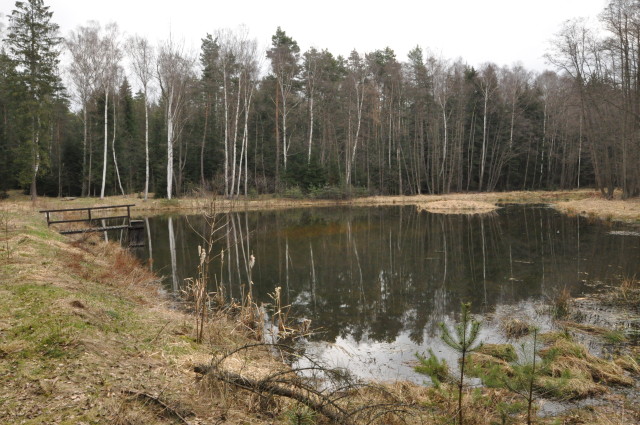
{"points": [[521, 377], [434, 368], [463, 340]]}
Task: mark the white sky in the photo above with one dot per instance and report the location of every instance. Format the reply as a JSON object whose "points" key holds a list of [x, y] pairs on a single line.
{"points": [[478, 31]]}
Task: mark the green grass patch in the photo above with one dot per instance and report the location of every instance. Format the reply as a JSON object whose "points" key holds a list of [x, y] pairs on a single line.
{"points": [[504, 352], [614, 337]]}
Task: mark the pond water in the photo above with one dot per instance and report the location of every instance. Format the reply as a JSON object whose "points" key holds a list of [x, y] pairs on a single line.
{"points": [[375, 282]]}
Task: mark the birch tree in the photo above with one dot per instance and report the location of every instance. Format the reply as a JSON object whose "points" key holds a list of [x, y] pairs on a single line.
{"points": [[142, 56], [84, 46], [239, 67], [174, 73], [488, 85], [285, 56], [357, 79], [111, 54]]}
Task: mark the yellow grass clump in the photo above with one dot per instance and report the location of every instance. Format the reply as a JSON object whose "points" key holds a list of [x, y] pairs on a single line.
{"points": [[455, 206]]}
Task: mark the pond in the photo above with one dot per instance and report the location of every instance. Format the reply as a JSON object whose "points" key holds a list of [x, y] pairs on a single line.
{"points": [[376, 282]]}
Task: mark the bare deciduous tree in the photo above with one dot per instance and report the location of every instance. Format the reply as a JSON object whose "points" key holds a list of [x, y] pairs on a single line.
{"points": [[84, 46], [175, 73], [142, 56]]}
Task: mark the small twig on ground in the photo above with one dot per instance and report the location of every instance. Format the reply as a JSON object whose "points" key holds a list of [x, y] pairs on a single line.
{"points": [[160, 331], [166, 410]]}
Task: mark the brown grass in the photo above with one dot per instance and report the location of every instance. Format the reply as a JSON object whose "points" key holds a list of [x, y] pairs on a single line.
{"points": [[83, 327], [586, 202], [596, 207], [565, 356], [454, 206], [515, 328]]}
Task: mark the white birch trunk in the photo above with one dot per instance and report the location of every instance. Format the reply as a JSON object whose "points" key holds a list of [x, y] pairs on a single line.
{"points": [[285, 146], [352, 154], [84, 150], [235, 138], [310, 127], [106, 141], [174, 262], [244, 153], [36, 159], [170, 128], [445, 143], [484, 139], [226, 132], [113, 149], [146, 145]]}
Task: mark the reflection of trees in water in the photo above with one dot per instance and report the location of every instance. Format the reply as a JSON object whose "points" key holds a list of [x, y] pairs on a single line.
{"points": [[372, 273]]}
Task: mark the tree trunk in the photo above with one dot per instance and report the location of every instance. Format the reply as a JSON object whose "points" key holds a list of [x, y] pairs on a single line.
{"points": [[36, 158], [84, 150], [113, 150], [204, 138], [146, 145], [106, 141], [310, 127], [170, 137]]}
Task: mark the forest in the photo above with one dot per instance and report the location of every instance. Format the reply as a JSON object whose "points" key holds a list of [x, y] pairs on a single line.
{"points": [[97, 112]]}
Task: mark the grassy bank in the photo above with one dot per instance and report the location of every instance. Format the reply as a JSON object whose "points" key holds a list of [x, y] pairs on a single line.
{"points": [[87, 337]]}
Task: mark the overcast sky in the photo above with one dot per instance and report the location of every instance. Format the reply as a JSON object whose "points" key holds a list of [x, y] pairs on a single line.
{"points": [[500, 31]]}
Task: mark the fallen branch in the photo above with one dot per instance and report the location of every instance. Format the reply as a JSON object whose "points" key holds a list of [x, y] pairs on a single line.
{"points": [[166, 410], [313, 400]]}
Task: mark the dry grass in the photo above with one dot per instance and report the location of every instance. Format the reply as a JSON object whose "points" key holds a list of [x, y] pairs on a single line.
{"points": [[430, 405], [515, 328], [597, 207], [480, 363], [585, 202], [271, 202], [573, 373], [86, 337], [454, 206], [628, 363], [504, 352]]}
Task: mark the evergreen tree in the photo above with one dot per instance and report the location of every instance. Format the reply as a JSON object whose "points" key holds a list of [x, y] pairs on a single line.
{"points": [[32, 43]]}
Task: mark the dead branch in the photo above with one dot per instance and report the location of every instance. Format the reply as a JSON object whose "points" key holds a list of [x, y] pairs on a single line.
{"points": [[318, 403], [166, 410], [294, 383]]}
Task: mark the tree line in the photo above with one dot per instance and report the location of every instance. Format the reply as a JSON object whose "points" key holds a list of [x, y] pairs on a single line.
{"points": [[311, 122]]}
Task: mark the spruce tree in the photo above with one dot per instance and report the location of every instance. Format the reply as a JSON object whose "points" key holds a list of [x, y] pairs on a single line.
{"points": [[32, 41]]}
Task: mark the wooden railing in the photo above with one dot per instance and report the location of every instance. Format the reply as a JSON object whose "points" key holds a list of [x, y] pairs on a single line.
{"points": [[91, 218]]}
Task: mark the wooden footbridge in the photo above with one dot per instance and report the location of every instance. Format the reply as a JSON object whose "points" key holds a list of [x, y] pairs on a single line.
{"points": [[99, 219]]}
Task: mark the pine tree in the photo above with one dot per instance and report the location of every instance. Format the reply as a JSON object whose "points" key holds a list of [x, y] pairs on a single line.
{"points": [[464, 341], [32, 43]]}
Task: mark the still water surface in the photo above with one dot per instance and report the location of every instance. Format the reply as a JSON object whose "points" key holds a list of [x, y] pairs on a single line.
{"points": [[377, 281]]}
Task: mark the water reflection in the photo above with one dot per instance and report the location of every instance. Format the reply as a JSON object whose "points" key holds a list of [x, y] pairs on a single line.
{"points": [[371, 278]]}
